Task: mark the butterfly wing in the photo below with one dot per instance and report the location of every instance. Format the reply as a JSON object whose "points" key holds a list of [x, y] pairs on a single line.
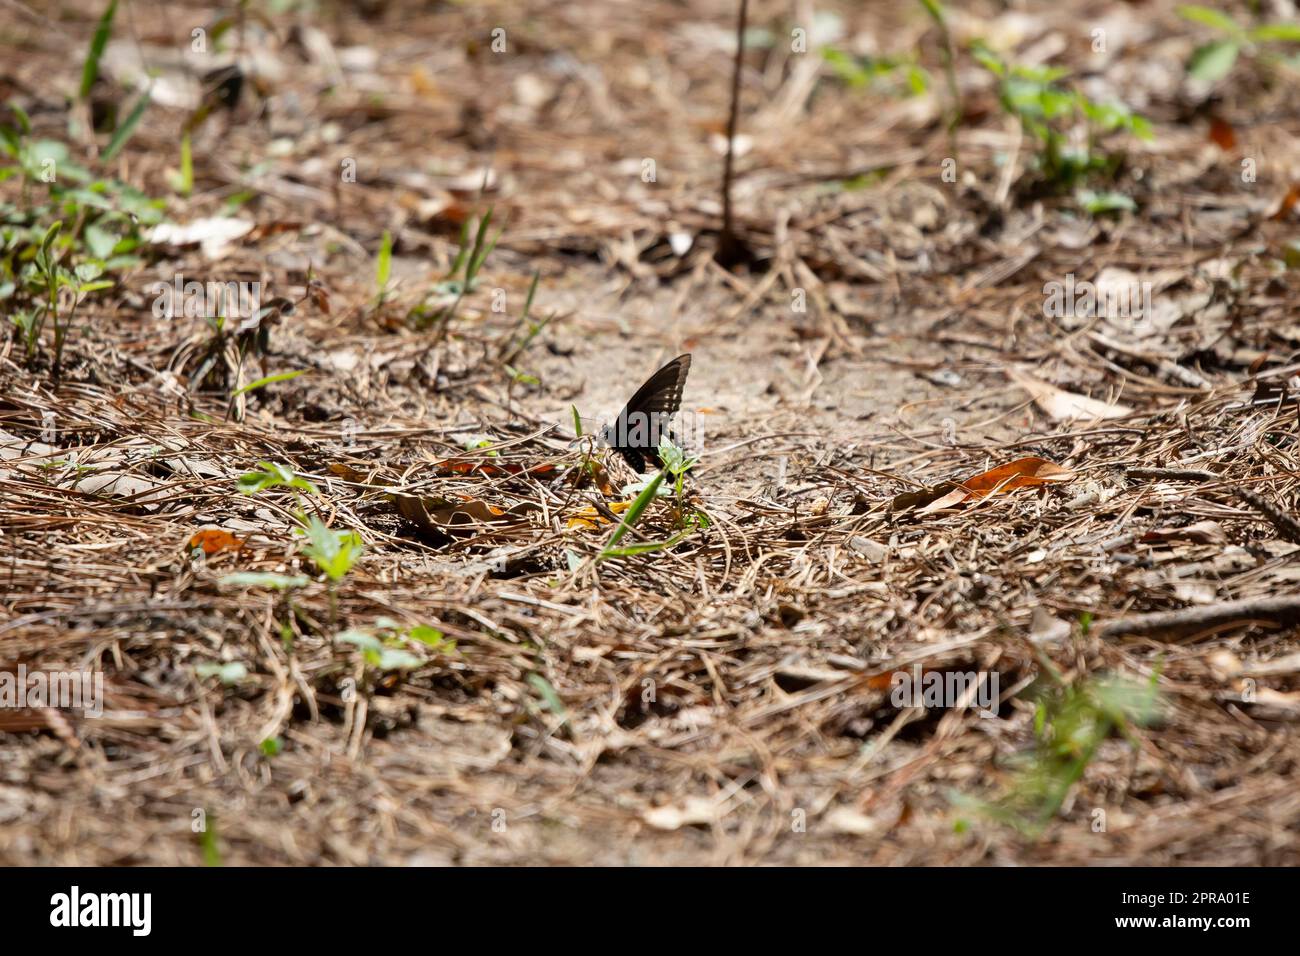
{"points": [[636, 431]]}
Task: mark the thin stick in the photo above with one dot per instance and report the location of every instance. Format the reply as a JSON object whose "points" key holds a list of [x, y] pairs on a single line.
{"points": [[727, 243], [1275, 609]]}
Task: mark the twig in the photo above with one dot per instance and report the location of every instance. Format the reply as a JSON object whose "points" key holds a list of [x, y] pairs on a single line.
{"points": [[727, 242], [1207, 616]]}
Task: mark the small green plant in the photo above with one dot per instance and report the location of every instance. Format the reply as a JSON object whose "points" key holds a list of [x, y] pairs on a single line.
{"points": [[1211, 62], [270, 475], [333, 552], [461, 279], [390, 647], [516, 346], [1065, 124], [44, 263], [895, 75], [674, 466], [52, 277], [630, 517], [675, 463], [229, 673], [98, 41], [1070, 723], [550, 698], [208, 843]]}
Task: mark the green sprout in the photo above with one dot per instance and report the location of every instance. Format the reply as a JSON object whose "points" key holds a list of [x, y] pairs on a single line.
{"points": [[461, 279], [389, 647], [271, 475], [1070, 723], [333, 552], [1049, 111], [1212, 61]]}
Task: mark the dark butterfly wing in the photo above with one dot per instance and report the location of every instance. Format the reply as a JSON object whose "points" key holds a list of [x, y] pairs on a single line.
{"points": [[635, 433]]}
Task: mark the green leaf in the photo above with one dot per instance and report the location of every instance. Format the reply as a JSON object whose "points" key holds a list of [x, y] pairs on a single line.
{"points": [[394, 659], [362, 639], [645, 547], [988, 59], [577, 421], [124, 131], [918, 80], [90, 71], [269, 380], [1213, 61], [1210, 18], [522, 377], [549, 696], [333, 552], [1103, 202], [935, 11], [384, 264], [50, 235], [183, 181], [272, 475], [377, 653], [1283, 32], [264, 579], [633, 514], [230, 673], [100, 241], [426, 635], [88, 272]]}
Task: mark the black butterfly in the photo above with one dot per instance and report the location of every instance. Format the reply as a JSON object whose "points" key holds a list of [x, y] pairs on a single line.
{"points": [[636, 432]]}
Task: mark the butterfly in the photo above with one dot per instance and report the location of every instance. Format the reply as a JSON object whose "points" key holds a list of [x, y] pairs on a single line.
{"points": [[644, 420]]}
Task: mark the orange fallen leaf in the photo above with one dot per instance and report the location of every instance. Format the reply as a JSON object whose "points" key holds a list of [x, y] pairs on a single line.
{"points": [[589, 519], [212, 540], [1223, 135], [1288, 203], [1022, 473]]}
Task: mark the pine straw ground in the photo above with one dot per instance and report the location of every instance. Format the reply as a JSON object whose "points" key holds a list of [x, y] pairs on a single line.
{"points": [[767, 638]]}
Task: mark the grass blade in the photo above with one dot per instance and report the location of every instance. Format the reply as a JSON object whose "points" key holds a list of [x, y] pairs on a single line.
{"points": [[384, 265], [269, 380], [124, 131], [90, 72], [632, 514]]}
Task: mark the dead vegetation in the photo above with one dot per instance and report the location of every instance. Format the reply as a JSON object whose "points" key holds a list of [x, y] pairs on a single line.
{"points": [[913, 463]]}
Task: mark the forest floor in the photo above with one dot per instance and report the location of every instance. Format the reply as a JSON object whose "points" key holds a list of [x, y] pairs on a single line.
{"points": [[488, 683]]}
